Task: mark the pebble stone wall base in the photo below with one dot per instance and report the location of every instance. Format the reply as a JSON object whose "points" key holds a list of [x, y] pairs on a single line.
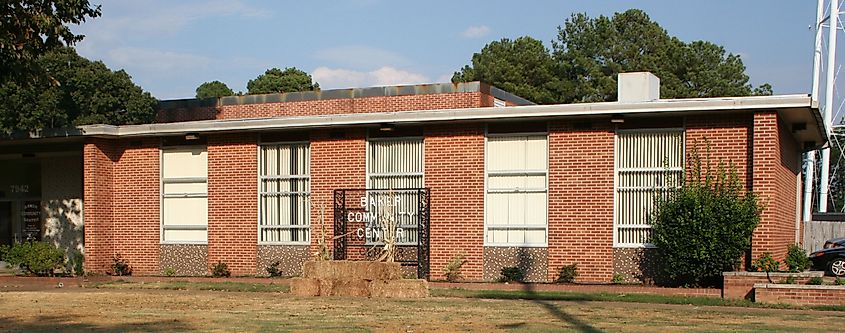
{"points": [[533, 261], [638, 265], [184, 259], [290, 258]]}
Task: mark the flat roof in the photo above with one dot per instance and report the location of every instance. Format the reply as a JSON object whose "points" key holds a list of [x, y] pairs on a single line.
{"points": [[798, 111]]}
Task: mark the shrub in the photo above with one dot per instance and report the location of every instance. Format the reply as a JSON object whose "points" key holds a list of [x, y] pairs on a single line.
{"points": [[120, 267], [765, 263], [617, 278], [273, 270], [797, 259], [75, 263], [568, 273], [704, 227], [35, 258], [839, 282], [815, 281], [452, 271], [169, 271], [221, 270], [512, 274], [790, 280]]}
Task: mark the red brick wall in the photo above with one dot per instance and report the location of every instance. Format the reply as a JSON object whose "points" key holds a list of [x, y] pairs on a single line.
{"points": [[98, 169], [352, 105], [233, 202], [776, 163], [336, 163], [136, 206], [454, 170], [740, 285], [800, 295], [728, 137], [581, 200]]}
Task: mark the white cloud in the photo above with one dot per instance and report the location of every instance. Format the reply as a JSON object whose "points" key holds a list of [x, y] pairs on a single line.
{"points": [[360, 57], [476, 31], [331, 78]]}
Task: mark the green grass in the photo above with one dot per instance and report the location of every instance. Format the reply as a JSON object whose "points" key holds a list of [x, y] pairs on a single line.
{"points": [[185, 285], [618, 297]]}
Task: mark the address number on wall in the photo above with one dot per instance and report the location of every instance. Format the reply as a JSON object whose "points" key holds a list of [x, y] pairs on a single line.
{"points": [[19, 188]]}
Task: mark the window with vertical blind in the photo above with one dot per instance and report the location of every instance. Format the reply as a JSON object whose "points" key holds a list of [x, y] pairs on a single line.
{"points": [[649, 163], [284, 190], [516, 198], [184, 194], [394, 164]]}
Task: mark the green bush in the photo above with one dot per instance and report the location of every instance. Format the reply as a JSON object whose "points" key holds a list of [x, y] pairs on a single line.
{"points": [[839, 282], [815, 281], [568, 273], [797, 259], [704, 227], [512, 274], [35, 258], [765, 263], [120, 267], [452, 271], [273, 270], [221, 270], [169, 271], [617, 278]]}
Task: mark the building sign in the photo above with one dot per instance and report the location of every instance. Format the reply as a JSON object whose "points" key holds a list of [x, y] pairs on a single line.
{"points": [[362, 218], [376, 211], [31, 216], [20, 179]]}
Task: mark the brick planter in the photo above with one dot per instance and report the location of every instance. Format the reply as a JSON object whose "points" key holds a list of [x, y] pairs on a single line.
{"points": [[797, 294], [740, 285]]}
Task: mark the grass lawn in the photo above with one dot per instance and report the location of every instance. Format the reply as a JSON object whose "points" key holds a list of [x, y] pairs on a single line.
{"points": [[174, 306]]}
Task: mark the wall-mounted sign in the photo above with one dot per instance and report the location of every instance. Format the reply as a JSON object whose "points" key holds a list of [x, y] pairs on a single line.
{"points": [[31, 216]]}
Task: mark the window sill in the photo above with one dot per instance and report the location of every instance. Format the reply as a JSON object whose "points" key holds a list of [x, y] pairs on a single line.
{"points": [[517, 245]]}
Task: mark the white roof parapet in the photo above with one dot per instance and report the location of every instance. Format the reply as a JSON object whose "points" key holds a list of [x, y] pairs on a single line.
{"points": [[780, 102]]}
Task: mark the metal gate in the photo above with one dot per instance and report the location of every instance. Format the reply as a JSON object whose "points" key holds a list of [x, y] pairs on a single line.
{"points": [[359, 221]]}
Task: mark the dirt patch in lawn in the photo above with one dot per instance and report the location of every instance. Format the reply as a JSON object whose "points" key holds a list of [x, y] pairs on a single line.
{"points": [[121, 310]]}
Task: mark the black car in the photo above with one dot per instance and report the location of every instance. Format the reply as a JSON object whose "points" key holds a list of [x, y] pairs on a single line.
{"points": [[831, 257]]}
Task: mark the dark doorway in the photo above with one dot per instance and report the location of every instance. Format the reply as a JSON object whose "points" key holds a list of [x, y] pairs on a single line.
{"points": [[6, 223]]}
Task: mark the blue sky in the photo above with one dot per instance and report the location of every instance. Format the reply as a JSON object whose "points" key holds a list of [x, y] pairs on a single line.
{"points": [[170, 47]]}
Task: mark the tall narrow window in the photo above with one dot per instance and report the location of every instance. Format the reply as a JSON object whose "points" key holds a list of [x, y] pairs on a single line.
{"points": [[395, 167], [285, 189], [184, 194], [648, 164], [516, 200]]}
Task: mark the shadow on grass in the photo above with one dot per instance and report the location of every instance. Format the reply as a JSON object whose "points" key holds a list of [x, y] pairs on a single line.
{"points": [[68, 324], [555, 310]]}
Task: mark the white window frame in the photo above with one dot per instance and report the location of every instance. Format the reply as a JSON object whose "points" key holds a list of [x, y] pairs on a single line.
{"points": [[616, 171], [545, 172], [370, 175], [307, 193], [183, 180]]}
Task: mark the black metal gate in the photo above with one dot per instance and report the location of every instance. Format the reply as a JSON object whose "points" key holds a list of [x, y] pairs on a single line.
{"points": [[359, 216]]}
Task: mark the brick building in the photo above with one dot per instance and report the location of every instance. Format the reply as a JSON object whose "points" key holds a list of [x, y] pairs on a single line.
{"points": [[246, 180]]}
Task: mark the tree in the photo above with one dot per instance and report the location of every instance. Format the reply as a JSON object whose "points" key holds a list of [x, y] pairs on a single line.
{"points": [[213, 89], [522, 66], [589, 53], [84, 92], [31, 28], [275, 80]]}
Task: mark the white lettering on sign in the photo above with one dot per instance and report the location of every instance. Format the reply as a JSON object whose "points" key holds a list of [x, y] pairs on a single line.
{"points": [[373, 230], [19, 188]]}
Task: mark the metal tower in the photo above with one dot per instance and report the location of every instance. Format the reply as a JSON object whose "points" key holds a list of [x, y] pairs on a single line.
{"points": [[827, 16]]}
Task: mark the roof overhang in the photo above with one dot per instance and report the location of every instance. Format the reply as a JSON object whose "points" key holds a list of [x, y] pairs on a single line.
{"points": [[797, 111]]}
